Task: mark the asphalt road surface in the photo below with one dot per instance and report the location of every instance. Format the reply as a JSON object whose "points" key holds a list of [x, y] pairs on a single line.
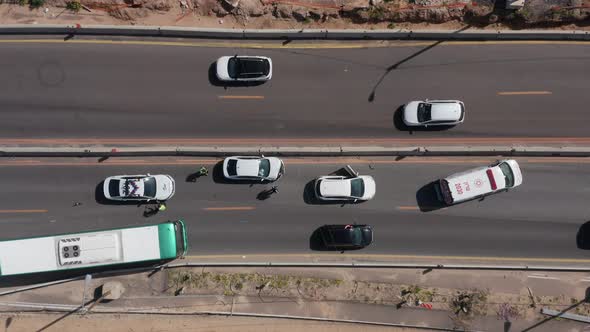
{"points": [[66, 90], [540, 219]]}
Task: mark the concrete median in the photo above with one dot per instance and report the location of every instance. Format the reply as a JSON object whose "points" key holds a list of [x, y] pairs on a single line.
{"points": [[294, 151]]}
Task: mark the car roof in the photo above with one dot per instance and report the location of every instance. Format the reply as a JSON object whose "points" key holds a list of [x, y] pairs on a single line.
{"points": [[254, 65], [445, 111], [335, 187], [247, 167], [340, 235]]}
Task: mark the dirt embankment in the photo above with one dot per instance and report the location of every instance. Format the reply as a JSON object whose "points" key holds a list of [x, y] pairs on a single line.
{"points": [[463, 305], [335, 13]]}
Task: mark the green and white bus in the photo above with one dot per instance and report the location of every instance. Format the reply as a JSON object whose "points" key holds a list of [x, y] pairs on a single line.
{"points": [[99, 250]]}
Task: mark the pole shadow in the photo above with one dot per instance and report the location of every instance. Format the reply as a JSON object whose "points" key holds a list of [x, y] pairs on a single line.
{"points": [[404, 60], [585, 300]]}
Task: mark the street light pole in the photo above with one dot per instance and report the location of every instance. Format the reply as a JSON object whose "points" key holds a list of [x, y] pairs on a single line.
{"points": [[86, 283]]}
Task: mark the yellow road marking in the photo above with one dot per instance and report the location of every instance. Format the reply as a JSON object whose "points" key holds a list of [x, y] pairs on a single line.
{"points": [[519, 93], [408, 208], [230, 208], [292, 45], [241, 97], [436, 259], [23, 211]]}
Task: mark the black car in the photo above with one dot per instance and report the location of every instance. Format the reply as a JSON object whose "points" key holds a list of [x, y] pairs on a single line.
{"points": [[346, 237]]}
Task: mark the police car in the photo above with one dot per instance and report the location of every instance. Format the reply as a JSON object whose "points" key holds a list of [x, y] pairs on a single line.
{"points": [[139, 187]]}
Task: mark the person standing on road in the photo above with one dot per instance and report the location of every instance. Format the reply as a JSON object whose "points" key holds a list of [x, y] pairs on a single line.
{"points": [[162, 206], [203, 171]]}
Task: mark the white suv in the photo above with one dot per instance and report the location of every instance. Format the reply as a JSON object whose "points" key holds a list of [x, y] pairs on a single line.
{"points": [[243, 68], [433, 113]]}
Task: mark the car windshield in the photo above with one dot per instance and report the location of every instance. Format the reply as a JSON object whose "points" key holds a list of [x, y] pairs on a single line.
{"points": [[356, 236], [264, 168], [508, 175], [347, 237], [357, 188], [232, 167], [149, 187], [367, 236], [424, 113], [114, 186], [232, 67]]}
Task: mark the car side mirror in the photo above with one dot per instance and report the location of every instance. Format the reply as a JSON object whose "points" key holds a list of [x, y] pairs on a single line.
{"points": [[355, 200], [148, 174], [262, 155]]}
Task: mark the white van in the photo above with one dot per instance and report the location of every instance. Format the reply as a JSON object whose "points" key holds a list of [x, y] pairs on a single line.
{"points": [[479, 182]]}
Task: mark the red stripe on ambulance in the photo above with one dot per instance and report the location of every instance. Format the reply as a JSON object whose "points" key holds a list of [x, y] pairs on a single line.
{"points": [[491, 178]]}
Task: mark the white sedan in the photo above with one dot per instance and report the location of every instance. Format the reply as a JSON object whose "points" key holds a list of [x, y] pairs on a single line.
{"points": [[434, 113], [139, 187], [243, 68], [253, 168], [340, 188]]}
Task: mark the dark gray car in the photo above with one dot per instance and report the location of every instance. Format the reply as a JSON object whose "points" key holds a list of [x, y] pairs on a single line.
{"points": [[346, 237]]}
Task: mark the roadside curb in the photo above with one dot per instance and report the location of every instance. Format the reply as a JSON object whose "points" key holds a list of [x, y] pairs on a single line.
{"points": [[292, 34], [386, 266], [312, 151]]}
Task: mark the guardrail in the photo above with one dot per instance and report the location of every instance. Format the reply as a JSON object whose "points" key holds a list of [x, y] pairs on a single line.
{"points": [[293, 34], [386, 266]]}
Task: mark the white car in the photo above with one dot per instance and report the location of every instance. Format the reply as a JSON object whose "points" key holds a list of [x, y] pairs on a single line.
{"points": [[434, 113], [341, 188], [139, 187], [243, 68], [253, 168]]}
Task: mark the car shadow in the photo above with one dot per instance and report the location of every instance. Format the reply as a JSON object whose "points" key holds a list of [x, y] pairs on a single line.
{"points": [[399, 124], [213, 80], [315, 241], [583, 236], [427, 199], [101, 199]]}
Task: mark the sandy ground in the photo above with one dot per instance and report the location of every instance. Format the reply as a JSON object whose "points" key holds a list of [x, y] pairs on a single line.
{"points": [[144, 323], [359, 294], [14, 14]]}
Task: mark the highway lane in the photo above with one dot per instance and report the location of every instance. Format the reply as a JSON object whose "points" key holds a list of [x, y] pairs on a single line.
{"points": [[67, 90], [540, 219]]}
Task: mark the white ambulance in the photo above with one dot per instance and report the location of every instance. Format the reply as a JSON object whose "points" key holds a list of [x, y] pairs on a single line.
{"points": [[479, 182]]}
